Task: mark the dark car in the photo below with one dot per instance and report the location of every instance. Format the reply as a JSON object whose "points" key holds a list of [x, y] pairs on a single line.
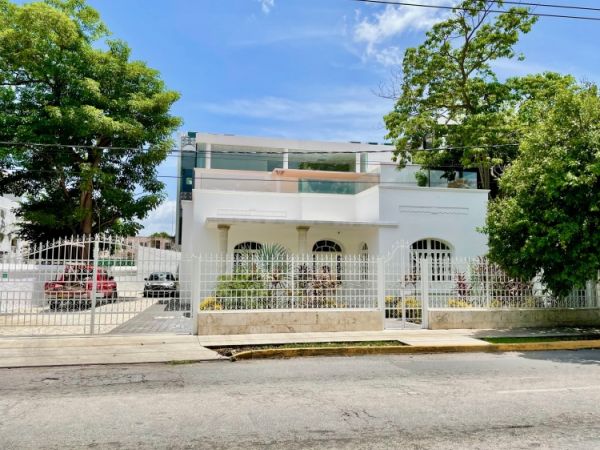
{"points": [[161, 284]]}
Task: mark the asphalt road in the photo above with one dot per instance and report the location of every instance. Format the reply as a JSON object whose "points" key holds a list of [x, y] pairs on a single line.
{"points": [[460, 401]]}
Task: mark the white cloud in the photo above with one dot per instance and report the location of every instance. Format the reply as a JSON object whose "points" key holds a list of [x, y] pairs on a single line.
{"points": [[267, 5], [160, 219], [288, 35], [353, 113], [378, 29], [288, 110]]}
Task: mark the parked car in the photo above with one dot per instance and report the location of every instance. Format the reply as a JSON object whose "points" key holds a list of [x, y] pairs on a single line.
{"points": [[75, 286], [161, 284]]}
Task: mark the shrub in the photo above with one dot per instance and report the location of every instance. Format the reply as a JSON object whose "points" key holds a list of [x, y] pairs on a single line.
{"points": [[412, 307], [458, 303], [319, 302], [210, 304], [528, 302], [392, 311], [242, 291]]}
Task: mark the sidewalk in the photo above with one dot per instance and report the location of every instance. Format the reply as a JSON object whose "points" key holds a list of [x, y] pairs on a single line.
{"points": [[414, 337], [86, 350], [135, 349]]}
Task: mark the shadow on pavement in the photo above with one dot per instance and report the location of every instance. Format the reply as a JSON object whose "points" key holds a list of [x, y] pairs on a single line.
{"points": [[584, 357], [541, 332]]}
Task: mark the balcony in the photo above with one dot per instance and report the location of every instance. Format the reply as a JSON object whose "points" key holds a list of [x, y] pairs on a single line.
{"points": [[414, 175], [290, 181]]}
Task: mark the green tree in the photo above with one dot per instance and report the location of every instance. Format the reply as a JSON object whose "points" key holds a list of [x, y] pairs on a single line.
{"points": [[161, 234], [449, 95], [547, 219], [63, 83]]}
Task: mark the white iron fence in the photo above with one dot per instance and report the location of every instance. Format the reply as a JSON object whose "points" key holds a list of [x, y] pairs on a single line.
{"points": [[478, 283], [90, 285], [106, 285], [251, 281]]}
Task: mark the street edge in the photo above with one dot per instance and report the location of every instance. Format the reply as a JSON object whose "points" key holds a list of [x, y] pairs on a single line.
{"points": [[279, 353]]}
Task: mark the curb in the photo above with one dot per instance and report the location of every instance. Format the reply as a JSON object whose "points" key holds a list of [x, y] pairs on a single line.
{"points": [[278, 353]]}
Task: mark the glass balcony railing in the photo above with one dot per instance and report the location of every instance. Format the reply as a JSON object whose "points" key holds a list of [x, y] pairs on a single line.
{"points": [[333, 187], [416, 176]]}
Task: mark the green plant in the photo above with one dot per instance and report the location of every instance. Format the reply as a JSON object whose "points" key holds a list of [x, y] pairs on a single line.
{"points": [[527, 302], [422, 178], [413, 307], [392, 311], [313, 301], [210, 304], [458, 303], [242, 290]]}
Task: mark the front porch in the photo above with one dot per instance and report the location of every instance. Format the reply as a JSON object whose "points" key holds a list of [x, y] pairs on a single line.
{"points": [[301, 237]]}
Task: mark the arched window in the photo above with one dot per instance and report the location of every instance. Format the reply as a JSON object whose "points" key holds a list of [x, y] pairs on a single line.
{"points": [[246, 250], [325, 253], [440, 255], [326, 246]]}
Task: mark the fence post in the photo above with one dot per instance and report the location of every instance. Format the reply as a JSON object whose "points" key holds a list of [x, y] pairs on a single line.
{"points": [[425, 281], [488, 284], [292, 264], [94, 285], [381, 286], [597, 290], [196, 277]]}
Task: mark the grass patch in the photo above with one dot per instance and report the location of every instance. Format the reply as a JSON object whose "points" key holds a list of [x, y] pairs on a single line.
{"points": [[232, 351], [533, 339]]}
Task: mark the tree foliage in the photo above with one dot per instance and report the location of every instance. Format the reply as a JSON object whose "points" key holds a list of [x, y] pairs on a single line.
{"points": [[547, 219], [450, 96], [58, 87], [161, 234]]}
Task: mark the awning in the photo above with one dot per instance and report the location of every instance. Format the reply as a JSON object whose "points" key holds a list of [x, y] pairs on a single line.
{"points": [[214, 221]]}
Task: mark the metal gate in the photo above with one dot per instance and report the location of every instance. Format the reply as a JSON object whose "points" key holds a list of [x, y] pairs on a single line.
{"points": [[404, 299], [94, 285]]}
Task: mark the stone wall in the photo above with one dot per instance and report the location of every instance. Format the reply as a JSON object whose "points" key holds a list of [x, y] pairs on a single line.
{"points": [[446, 319], [288, 321]]}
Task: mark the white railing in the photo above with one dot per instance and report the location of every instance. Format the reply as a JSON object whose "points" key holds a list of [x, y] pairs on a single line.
{"points": [[94, 284], [240, 282], [106, 285], [478, 283]]}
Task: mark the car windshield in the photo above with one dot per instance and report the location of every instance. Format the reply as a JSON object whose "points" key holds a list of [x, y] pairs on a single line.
{"points": [[162, 276]]}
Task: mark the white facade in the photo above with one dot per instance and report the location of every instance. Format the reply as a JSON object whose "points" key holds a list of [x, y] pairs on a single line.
{"points": [[231, 207], [9, 242]]}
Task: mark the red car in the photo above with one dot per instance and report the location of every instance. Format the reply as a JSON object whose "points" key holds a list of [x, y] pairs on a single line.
{"points": [[75, 285]]}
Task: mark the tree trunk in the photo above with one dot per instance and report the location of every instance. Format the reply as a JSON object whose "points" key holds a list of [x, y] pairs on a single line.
{"points": [[484, 174], [86, 202]]}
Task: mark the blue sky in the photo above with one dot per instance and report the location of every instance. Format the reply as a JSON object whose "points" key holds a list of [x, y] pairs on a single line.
{"points": [[304, 69]]}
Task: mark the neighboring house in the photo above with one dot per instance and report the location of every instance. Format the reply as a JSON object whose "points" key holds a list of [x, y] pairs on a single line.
{"points": [[9, 241], [160, 243], [238, 193]]}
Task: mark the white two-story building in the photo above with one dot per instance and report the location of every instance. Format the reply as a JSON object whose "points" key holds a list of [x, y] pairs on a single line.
{"points": [[237, 193]]}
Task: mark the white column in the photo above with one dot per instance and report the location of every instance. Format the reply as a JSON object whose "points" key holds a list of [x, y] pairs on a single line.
{"points": [[286, 159], [302, 240], [208, 156], [381, 288], [223, 238], [425, 278], [590, 294], [357, 163]]}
